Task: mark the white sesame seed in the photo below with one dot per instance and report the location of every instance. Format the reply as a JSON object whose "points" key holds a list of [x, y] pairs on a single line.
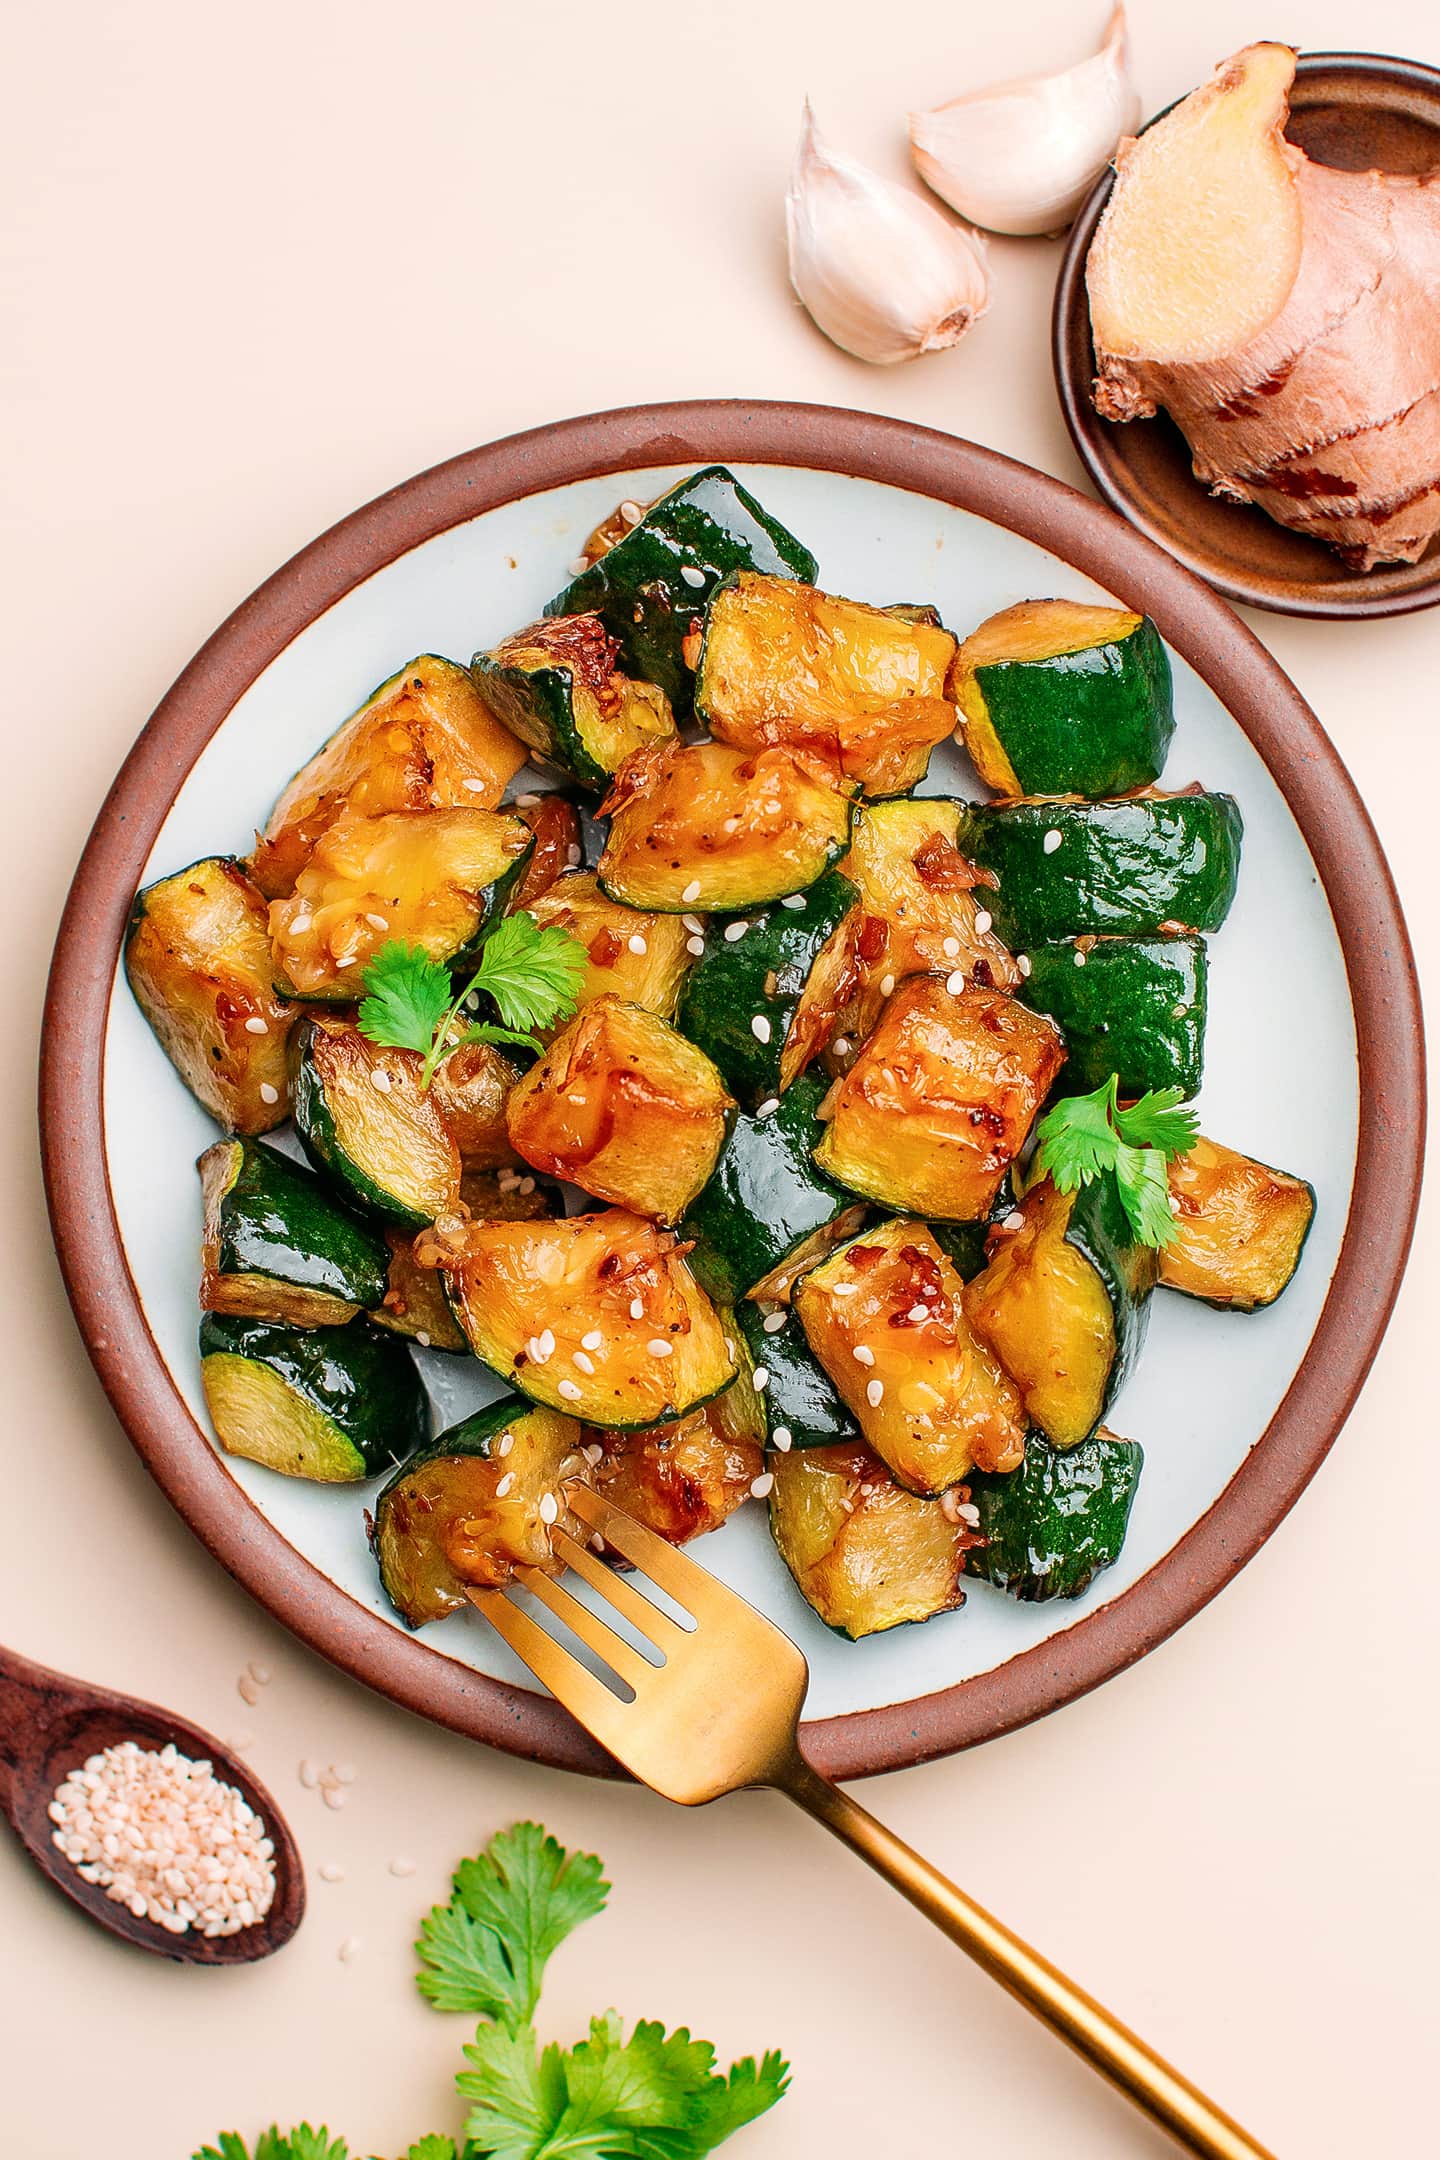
{"points": [[692, 890], [477, 787], [763, 1484], [1015, 1220], [695, 945], [568, 1389], [547, 1343], [887, 984], [504, 1445], [983, 921], [917, 1313], [768, 1108], [693, 923], [730, 825], [631, 512], [549, 1508], [534, 1352], [257, 1026], [572, 857], [773, 1322], [593, 1453], [637, 1308], [309, 1775], [863, 1354], [955, 983], [969, 1514], [1051, 841], [951, 948], [842, 1046], [582, 1361], [760, 1028], [522, 802], [844, 1289], [378, 922], [593, 1340], [301, 924], [579, 566], [333, 1795], [261, 1673], [269, 1094], [1079, 956], [793, 900], [380, 1080], [422, 1338], [344, 1773], [331, 1873], [760, 1379], [659, 1347], [349, 1949], [1022, 961], [636, 944], [506, 1485], [691, 575], [781, 1437], [247, 1690], [402, 1868], [875, 1393], [735, 931]]}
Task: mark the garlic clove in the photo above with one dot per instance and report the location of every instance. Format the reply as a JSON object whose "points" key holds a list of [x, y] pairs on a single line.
{"points": [[882, 272], [1021, 156]]}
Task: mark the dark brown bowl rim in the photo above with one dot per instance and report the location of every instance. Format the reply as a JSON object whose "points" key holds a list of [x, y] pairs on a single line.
{"points": [[1202, 628], [1086, 429]]}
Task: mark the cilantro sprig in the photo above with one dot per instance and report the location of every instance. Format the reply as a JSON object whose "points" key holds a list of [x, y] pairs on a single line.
{"points": [[655, 2095], [1092, 1136], [532, 975]]}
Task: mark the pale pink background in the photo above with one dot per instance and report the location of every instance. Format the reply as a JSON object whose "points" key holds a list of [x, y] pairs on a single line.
{"points": [[262, 262]]}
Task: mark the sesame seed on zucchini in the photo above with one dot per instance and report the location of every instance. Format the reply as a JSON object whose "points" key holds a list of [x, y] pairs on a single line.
{"points": [[368, 1126]]}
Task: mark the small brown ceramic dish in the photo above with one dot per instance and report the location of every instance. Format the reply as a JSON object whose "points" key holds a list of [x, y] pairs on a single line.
{"points": [[453, 556], [1351, 110]]}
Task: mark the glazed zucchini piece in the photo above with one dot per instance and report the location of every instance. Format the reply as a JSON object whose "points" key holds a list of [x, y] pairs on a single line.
{"points": [[1050, 1527], [472, 1087], [886, 1318], [561, 836], [964, 1243], [1240, 1228], [801, 1405], [1148, 865], [865, 1554], [940, 1099], [331, 1404], [432, 878], [197, 957], [470, 1508], [1062, 698], [1063, 1303], [1132, 1006], [708, 827], [625, 1107], [651, 585], [634, 955], [423, 741], [784, 663], [558, 686], [749, 997], [367, 1125], [597, 1316], [766, 1199], [415, 1304], [276, 1247], [684, 1479]]}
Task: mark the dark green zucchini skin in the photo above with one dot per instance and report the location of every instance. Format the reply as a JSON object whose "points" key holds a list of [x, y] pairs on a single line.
{"points": [[765, 1196], [1052, 1525], [726, 990], [364, 1382], [963, 1243], [1122, 869], [1095, 722], [494, 900], [1135, 1007], [278, 1220], [549, 694], [798, 1396], [321, 1140], [709, 525], [1100, 1229]]}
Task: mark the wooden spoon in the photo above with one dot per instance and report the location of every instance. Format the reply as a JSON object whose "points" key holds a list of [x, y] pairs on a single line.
{"points": [[48, 1726]]}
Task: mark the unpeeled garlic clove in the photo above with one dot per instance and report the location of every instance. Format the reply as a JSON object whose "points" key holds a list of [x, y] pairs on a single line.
{"points": [[882, 272], [1022, 156]]}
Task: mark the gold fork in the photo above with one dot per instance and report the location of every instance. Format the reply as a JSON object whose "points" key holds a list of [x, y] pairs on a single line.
{"points": [[722, 1713]]}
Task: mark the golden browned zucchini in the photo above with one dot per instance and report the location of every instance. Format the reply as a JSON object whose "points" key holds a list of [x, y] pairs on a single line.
{"points": [[710, 827], [884, 1315], [197, 955], [680, 1480], [940, 1099], [634, 955], [415, 1303], [423, 741], [432, 878], [597, 1316], [624, 1106], [865, 1554], [557, 686], [471, 1088], [366, 1123], [1240, 1228], [784, 663]]}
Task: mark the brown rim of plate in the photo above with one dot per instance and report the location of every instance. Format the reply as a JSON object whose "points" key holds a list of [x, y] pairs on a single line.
{"points": [[1352, 110], [1265, 704]]}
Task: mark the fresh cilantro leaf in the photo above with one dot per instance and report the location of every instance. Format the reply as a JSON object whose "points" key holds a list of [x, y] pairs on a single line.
{"points": [[1158, 1121], [301, 2143], [1090, 1136], [483, 1031], [433, 2148], [230, 2147], [464, 1966], [519, 2094], [510, 1909], [407, 996], [1077, 1138], [532, 973], [1145, 1194]]}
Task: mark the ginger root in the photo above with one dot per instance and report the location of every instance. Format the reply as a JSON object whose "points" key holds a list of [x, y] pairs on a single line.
{"points": [[1285, 314]]}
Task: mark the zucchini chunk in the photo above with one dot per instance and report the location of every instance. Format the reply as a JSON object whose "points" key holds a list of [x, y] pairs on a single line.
{"points": [[802, 1408], [706, 826], [684, 1479], [749, 998], [386, 1146], [197, 957], [415, 1304], [1132, 1006], [1061, 698], [1064, 1302], [783, 663], [865, 1554], [885, 1317], [1150, 865], [1241, 1228], [532, 1297], [465, 1511], [471, 1088], [624, 1107], [332, 1404], [940, 1100], [766, 1198], [639, 957], [964, 1243], [560, 836], [558, 687], [1050, 1527], [423, 741], [275, 1245], [432, 878], [651, 586]]}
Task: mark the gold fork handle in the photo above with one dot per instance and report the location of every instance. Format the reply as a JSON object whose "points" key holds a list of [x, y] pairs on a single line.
{"points": [[1110, 2047]]}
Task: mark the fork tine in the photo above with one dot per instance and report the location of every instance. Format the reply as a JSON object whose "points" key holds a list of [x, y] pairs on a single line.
{"points": [[690, 1586], [647, 1619], [586, 1698], [623, 1660]]}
